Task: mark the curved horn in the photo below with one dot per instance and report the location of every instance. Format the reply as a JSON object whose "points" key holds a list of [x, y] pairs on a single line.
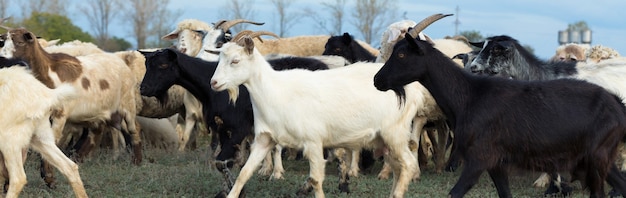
{"points": [[4, 20], [225, 25], [425, 23], [253, 34]]}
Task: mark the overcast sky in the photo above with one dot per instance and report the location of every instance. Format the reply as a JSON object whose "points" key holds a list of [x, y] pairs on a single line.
{"points": [[532, 22]]}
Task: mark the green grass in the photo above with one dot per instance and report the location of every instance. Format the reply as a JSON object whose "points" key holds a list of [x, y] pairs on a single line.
{"points": [[173, 174]]}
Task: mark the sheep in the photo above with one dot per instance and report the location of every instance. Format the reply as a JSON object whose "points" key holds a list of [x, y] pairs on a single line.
{"points": [[74, 48], [574, 52], [508, 59], [28, 103], [497, 122], [315, 120], [307, 45], [102, 88]]}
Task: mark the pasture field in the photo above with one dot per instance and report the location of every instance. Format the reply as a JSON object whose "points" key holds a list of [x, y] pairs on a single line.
{"points": [[173, 174]]}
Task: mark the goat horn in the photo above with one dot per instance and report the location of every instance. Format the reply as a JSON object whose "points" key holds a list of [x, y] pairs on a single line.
{"points": [[253, 34], [225, 25], [425, 23], [4, 20]]}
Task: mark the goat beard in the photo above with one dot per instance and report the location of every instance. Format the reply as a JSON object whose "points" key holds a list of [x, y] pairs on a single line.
{"points": [[400, 93]]}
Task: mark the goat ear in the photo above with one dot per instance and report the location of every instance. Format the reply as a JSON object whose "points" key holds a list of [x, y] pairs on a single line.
{"points": [[413, 44], [248, 44], [29, 37], [346, 38], [171, 36]]}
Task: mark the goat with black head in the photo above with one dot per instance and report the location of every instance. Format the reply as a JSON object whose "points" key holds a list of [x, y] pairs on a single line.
{"points": [[497, 122], [347, 47]]}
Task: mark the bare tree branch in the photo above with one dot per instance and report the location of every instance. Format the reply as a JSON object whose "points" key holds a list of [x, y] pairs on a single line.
{"points": [[147, 18], [372, 16], [100, 14], [59, 7], [238, 9], [286, 19]]}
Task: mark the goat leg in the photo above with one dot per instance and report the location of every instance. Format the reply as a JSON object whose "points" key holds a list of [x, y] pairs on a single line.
{"points": [[47, 174], [306, 188]]}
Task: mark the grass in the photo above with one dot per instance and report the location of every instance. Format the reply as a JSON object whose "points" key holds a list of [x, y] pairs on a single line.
{"points": [[173, 174]]}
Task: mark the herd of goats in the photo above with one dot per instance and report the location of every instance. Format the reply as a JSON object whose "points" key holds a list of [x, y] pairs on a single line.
{"points": [[492, 105]]}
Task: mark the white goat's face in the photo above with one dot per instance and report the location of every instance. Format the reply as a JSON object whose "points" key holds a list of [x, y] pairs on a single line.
{"points": [[8, 48], [212, 42], [233, 68]]}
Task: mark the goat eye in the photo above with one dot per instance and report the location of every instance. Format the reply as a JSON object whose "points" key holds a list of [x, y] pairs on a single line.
{"points": [[337, 49], [573, 59], [163, 66], [20, 43], [401, 55], [235, 61]]}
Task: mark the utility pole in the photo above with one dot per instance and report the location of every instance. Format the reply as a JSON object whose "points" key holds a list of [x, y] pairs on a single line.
{"points": [[456, 22]]}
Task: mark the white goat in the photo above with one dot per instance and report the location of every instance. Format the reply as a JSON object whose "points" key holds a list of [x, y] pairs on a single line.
{"points": [[28, 104], [194, 38], [327, 108]]}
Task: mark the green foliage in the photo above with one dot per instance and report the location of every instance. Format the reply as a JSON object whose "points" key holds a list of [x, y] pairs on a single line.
{"points": [[53, 26], [578, 26], [116, 44], [472, 35]]}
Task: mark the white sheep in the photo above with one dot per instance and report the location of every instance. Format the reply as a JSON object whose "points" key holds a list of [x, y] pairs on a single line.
{"points": [[307, 45], [322, 108], [583, 53], [28, 105]]}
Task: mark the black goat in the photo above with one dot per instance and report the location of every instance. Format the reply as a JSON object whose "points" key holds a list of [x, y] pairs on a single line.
{"points": [[167, 67], [559, 125], [503, 56], [345, 46]]}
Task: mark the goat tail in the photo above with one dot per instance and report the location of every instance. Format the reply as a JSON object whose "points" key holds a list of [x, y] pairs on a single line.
{"points": [[64, 92]]}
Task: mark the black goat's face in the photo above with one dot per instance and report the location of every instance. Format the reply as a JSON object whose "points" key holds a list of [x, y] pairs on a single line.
{"points": [[405, 65], [162, 71], [494, 59], [337, 45]]}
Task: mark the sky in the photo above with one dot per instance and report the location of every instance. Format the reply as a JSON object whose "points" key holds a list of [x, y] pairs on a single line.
{"points": [[532, 22]]}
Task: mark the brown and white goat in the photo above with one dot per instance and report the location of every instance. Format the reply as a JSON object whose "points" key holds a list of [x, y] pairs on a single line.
{"points": [[103, 80]]}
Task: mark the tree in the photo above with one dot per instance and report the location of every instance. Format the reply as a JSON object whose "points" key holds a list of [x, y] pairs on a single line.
{"points": [[372, 16], [58, 7], [4, 4], [116, 44], [286, 20], [147, 18], [100, 13], [578, 26], [238, 9], [53, 26], [336, 9], [472, 35]]}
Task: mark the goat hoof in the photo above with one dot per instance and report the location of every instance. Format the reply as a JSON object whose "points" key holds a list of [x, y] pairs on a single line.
{"points": [[344, 187], [221, 194]]}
